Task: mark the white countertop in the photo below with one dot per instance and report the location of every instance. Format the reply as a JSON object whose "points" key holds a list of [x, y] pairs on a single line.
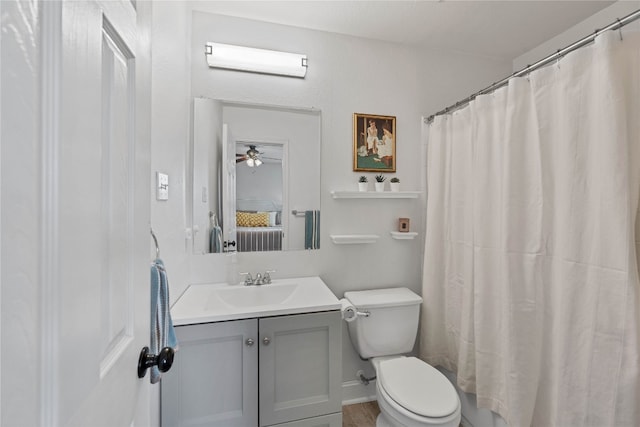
{"points": [[205, 303]]}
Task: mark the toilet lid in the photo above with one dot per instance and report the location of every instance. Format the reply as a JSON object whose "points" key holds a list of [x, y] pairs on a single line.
{"points": [[418, 387]]}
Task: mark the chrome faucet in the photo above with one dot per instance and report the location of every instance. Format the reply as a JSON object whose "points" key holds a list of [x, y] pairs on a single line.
{"points": [[248, 280], [259, 279], [266, 279]]}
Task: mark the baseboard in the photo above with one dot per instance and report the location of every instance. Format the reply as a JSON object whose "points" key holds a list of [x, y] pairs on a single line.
{"points": [[356, 392]]}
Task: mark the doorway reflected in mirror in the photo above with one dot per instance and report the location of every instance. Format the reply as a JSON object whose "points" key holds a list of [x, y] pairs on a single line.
{"points": [[259, 195]]}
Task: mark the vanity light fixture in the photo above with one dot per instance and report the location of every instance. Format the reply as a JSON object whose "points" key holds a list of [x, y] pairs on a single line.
{"points": [[254, 60]]}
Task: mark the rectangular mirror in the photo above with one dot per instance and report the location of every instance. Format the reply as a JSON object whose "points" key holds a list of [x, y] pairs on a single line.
{"points": [[256, 177]]}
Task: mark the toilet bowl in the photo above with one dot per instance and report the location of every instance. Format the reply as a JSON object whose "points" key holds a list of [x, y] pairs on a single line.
{"points": [[410, 392]]}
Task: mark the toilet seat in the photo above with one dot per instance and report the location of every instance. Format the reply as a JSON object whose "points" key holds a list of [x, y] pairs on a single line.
{"points": [[394, 415], [418, 387]]}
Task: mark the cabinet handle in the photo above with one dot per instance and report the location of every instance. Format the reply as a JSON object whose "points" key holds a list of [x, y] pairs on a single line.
{"points": [[266, 340], [249, 342]]}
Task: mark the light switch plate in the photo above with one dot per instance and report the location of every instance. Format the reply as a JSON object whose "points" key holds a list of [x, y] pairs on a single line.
{"points": [[162, 186]]}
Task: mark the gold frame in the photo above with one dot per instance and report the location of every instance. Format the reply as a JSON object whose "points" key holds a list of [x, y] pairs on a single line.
{"points": [[371, 135]]}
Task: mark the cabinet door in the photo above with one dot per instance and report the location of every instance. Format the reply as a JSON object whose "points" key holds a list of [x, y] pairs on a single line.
{"points": [[300, 367], [213, 381]]}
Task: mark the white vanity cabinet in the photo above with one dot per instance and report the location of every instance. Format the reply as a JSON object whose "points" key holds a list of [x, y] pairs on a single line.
{"points": [[300, 367], [214, 377], [282, 370]]}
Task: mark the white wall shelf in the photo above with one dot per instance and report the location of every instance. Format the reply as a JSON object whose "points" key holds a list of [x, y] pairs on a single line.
{"points": [[354, 239], [375, 194], [401, 235]]}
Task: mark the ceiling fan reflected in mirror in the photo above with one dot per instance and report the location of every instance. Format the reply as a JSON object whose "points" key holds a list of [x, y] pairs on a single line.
{"points": [[253, 157]]}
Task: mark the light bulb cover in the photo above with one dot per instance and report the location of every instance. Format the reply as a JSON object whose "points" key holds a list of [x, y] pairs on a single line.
{"points": [[255, 60]]}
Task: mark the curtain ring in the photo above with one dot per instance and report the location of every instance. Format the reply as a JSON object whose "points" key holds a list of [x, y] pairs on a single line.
{"points": [[558, 58], [619, 28]]}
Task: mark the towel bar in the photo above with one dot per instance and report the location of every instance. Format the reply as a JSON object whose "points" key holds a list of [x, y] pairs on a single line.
{"points": [[155, 240]]}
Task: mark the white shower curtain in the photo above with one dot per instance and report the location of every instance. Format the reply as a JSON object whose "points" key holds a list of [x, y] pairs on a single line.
{"points": [[531, 291]]}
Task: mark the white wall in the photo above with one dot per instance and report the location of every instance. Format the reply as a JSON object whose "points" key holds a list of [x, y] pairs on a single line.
{"points": [[598, 20], [261, 183], [170, 133], [171, 119], [346, 75]]}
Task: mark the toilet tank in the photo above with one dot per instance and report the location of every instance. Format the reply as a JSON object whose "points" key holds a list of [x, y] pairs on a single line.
{"points": [[392, 324]]}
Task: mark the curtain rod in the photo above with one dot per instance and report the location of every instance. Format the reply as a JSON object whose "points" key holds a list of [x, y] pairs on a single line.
{"points": [[619, 23]]}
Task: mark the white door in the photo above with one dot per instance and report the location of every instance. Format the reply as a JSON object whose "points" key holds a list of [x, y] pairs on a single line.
{"points": [[207, 147], [229, 189], [82, 314]]}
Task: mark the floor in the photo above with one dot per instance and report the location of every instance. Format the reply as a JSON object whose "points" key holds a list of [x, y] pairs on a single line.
{"points": [[360, 414]]}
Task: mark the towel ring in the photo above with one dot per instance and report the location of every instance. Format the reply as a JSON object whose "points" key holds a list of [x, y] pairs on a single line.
{"points": [[155, 240]]}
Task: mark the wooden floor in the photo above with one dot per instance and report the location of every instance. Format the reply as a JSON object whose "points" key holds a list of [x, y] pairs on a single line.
{"points": [[360, 414]]}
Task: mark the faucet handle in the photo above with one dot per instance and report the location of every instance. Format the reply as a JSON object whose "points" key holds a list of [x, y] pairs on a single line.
{"points": [[248, 280], [267, 276]]}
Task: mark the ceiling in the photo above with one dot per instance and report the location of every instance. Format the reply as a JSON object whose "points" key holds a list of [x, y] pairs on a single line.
{"points": [[499, 29]]}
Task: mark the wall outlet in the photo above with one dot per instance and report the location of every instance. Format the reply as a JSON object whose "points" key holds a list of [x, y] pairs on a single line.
{"points": [[162, 186]]}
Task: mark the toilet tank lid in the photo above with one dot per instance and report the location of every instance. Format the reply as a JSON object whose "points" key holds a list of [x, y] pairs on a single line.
{"points": [[383, 297]]}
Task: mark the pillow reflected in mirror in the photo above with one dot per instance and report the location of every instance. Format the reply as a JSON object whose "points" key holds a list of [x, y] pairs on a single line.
{"points": [[249, 219]]}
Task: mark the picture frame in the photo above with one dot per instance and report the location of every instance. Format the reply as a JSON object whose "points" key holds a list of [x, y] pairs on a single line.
{"points": [[374, 143]]}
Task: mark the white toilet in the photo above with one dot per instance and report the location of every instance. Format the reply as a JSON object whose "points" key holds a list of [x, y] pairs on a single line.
{"points": [[410, 392]]}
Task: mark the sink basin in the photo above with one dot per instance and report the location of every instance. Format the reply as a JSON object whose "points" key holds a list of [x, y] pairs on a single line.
{"points": [[257, 296], [216, 302]]}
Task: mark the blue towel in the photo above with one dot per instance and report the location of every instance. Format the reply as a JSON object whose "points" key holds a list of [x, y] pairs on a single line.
{"points": [[162, 333], [312, 229], [215, 240]]}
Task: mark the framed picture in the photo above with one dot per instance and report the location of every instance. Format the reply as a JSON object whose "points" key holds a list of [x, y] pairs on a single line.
{"points": [[374, 143]]}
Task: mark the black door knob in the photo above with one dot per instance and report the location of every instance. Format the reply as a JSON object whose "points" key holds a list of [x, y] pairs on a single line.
{"points": [[164, 360]]}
